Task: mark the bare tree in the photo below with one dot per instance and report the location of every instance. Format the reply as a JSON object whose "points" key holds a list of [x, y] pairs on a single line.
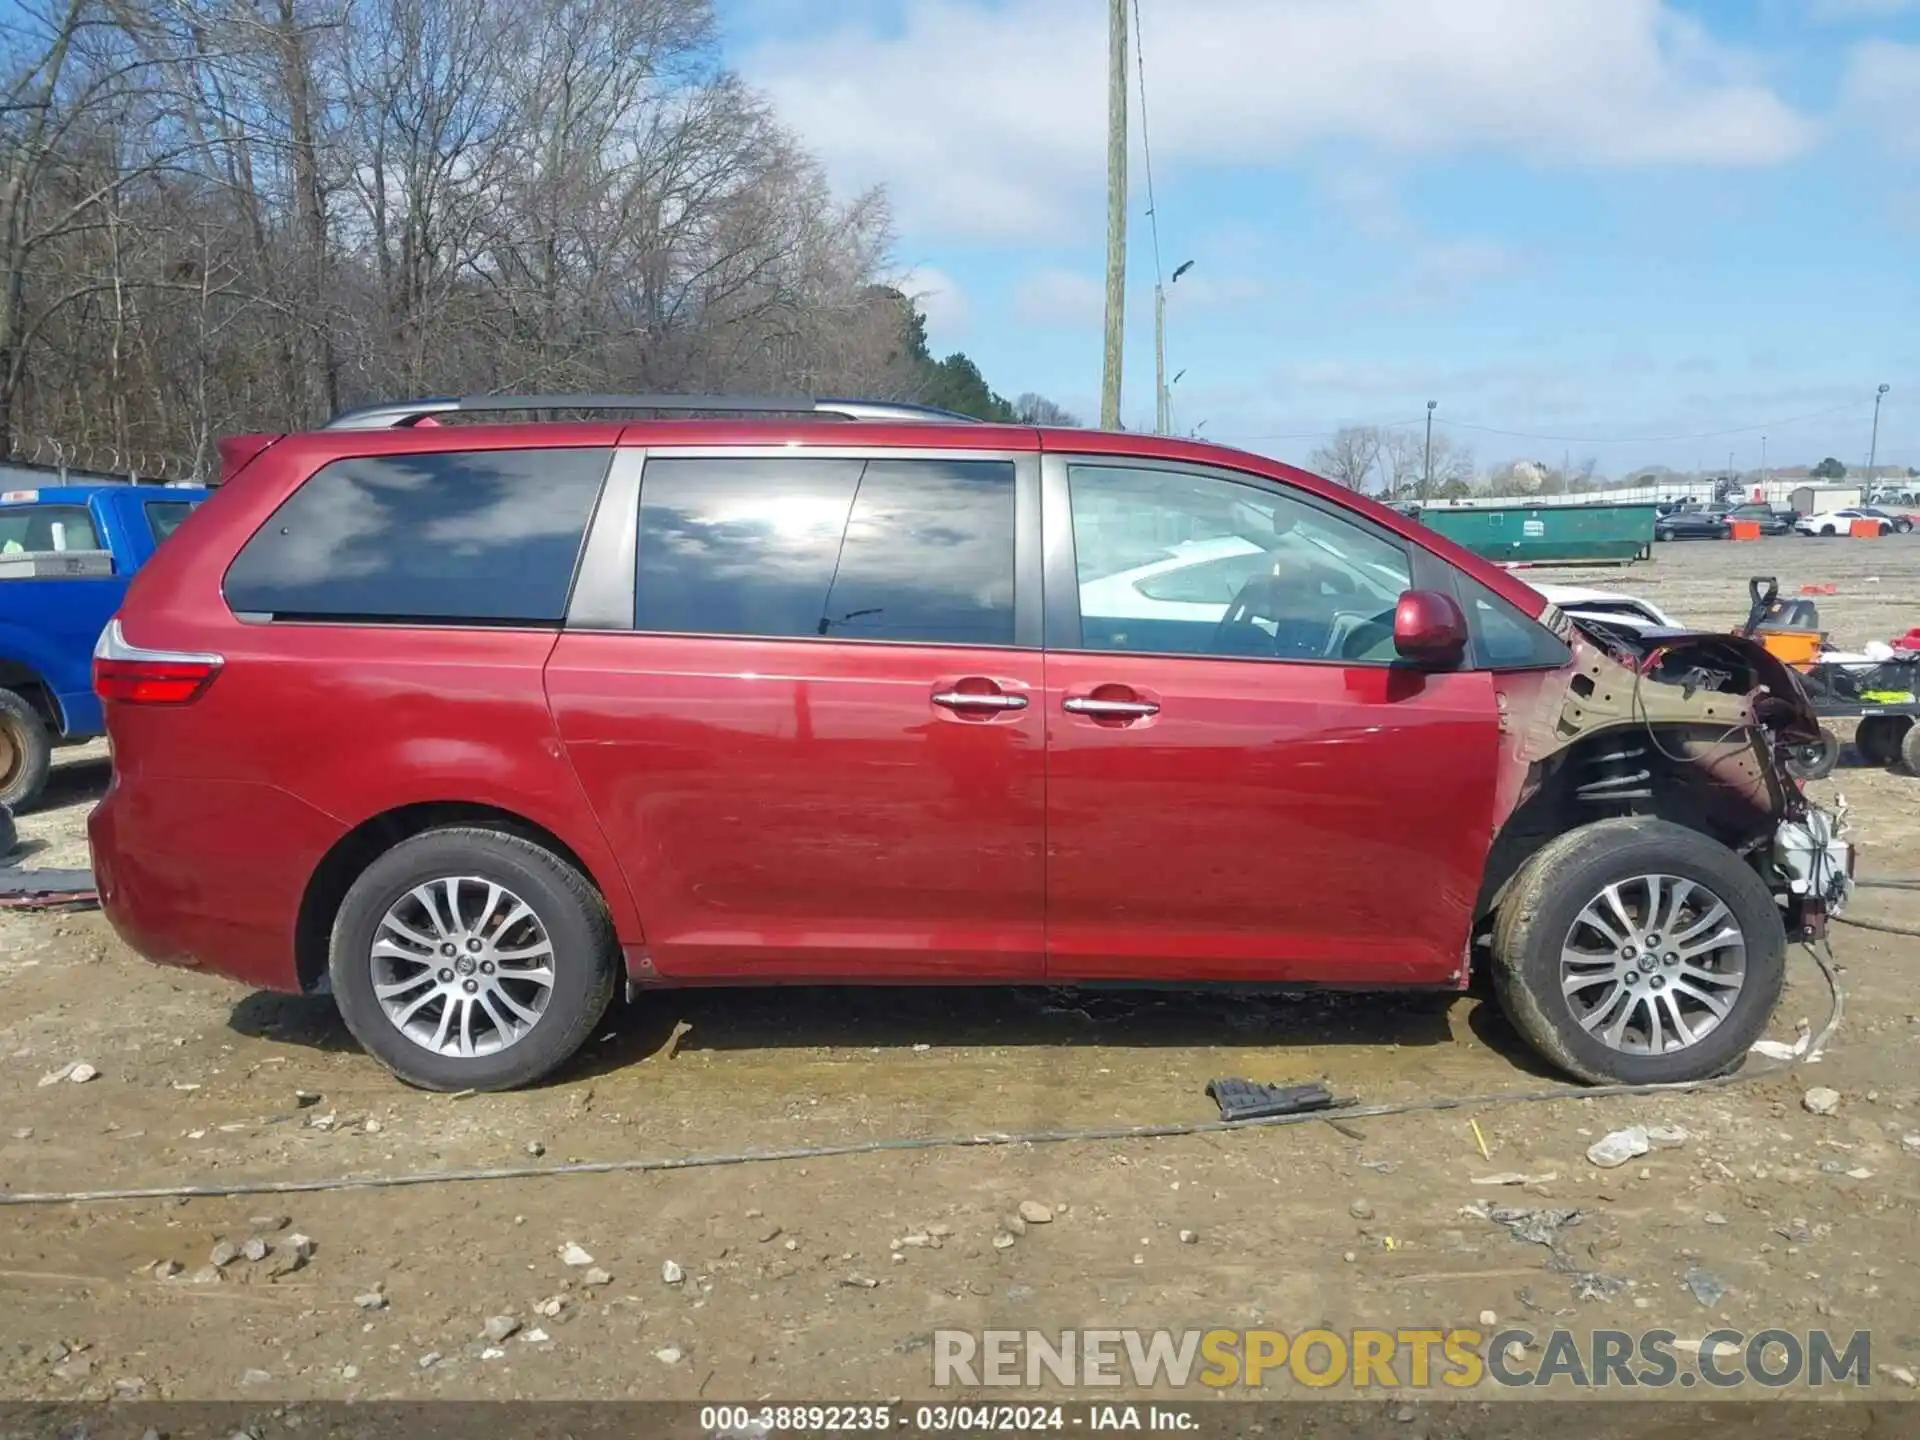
{"points": [[245, 214], [1032, 409], [1349, 456]]}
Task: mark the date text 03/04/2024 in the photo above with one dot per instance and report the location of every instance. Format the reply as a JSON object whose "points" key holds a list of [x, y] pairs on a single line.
{"points": [[771, 1420]]}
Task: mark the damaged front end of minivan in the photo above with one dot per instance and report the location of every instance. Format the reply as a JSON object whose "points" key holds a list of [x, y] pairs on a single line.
{"points": [[1684, 726]]}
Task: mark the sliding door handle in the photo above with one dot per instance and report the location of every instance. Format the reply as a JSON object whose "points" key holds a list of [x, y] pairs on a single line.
{"points": [[1109, 709]]}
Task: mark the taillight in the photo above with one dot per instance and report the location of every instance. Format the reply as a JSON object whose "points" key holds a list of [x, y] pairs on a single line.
{"points": [[131, 675]]}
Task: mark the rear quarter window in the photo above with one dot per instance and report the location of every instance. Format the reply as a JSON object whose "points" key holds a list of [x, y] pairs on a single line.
{"points": [[475, 537], [164, 517]]}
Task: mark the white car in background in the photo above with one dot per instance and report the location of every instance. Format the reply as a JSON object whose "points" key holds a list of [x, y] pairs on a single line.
{"points": [[1840, 522], [1610, 606], [1196, 580]]}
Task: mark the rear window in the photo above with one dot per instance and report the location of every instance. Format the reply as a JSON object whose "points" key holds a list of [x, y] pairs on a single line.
{"points": [[164, 517], [46, 527], [905, 550], [477, 537]]}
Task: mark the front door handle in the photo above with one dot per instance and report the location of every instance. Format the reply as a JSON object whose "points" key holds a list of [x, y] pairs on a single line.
{"points": [[970, 700], [1109, 709]]}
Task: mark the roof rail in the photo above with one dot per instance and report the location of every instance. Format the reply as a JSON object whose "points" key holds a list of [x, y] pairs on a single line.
{"points": [[398, 414]]}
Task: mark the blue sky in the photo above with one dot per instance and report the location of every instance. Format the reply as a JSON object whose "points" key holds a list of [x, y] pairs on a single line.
{"points": [[1645, 231]]}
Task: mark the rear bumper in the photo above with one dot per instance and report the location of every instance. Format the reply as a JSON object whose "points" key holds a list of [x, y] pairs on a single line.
{"points": [[208, 874]]}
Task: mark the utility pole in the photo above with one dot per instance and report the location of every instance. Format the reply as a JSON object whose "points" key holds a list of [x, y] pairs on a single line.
{"points": [[1116, 214], [1873, 449], [1426, 474]]}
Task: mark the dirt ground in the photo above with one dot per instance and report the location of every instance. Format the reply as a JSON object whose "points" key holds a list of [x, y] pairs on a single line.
{"points": [[800, 1279]]}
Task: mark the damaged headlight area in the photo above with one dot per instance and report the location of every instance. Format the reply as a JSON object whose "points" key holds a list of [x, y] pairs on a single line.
{"points": [[1814, 865], [1692, 728]]}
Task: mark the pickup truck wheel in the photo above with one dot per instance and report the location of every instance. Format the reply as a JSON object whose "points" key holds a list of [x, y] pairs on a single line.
{"points": [[1910, 748], [1640, 952], [468, 959], [26, 751], [1878, 738]]}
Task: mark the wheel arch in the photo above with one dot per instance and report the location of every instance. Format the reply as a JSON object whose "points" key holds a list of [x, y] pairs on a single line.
{"points": [[27, 682], [1650, 785], [351, 854]]}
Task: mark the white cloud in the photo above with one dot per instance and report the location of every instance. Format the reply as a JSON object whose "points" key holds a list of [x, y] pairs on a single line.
{"points": [[1061, 297], [1449, 268], [989, 120], [1844, 10], [1878, 92], [941, 300]]}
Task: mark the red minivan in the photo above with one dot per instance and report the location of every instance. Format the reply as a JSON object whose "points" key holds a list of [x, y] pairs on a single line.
{"points": [[468, 722]]}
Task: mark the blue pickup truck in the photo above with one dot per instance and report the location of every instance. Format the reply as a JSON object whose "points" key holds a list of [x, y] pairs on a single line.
{"points": [[66, 554]]}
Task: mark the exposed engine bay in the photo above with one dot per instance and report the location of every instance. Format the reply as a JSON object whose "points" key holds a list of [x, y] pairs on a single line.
{"points": [[1688, 726]]}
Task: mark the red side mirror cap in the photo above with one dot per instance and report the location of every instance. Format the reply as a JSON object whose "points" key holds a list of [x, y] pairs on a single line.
{"points": [[1429, 631]]}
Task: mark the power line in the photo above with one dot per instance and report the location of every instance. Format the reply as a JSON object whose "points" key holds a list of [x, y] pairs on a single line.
{"points": [[1655, 439], [1146, 144], [1758, 426]]}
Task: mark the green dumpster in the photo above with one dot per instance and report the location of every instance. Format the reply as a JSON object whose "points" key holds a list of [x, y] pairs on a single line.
{"points": [[1547, 533]]}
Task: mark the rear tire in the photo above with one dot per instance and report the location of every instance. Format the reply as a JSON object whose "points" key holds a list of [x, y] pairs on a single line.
{"points": [[1542, 921], [1910, 748], [26, 751], [512, 945]]}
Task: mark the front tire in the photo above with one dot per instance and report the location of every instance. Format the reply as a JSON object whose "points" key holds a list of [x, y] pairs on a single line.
{"points": [[469, 959], [1597, 991]]}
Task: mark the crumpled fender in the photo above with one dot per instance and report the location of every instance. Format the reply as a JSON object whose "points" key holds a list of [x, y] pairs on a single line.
{"points": [[1544, 712]]}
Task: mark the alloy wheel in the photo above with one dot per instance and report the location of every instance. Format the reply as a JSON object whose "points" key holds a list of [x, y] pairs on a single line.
{"points": [[1653, 964], [462, 966]]}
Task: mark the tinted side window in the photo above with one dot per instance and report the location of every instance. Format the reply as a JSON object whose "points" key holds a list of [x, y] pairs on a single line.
{"points": [[486, 536], [46, 527], [928, 554], [907, 550], [164, 517]]}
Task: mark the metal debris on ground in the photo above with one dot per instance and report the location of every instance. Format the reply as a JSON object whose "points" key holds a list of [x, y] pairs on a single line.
{"points": [[1249, 1099], [30, 889], [1706, 1288], [1540, 1227], [1545, 1227]]}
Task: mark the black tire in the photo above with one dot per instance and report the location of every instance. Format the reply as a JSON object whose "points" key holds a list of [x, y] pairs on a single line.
{"points": [[585, 963], [1538, 914], [26, 752], [9, 837], [1910, 748], [1816, 759], [1902, 525], [1878, 738]]}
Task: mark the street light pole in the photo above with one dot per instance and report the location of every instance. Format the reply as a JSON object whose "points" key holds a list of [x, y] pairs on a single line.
{"points": [[1426, 479], [1116, 214], [1159, 358], [1873, 449], [1162, 396]]}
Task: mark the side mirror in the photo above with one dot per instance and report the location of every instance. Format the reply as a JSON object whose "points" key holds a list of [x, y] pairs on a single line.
{"points": [[1429, 631]]}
